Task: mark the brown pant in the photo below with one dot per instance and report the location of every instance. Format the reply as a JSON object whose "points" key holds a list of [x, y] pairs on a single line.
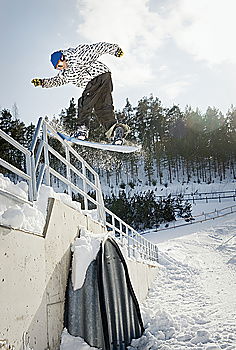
{"points": [[97, 95]]}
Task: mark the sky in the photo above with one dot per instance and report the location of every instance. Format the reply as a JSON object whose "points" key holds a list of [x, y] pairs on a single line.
{"points": [[181, 51]]}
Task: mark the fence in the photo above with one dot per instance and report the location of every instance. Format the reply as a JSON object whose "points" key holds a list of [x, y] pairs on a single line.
{"points": [[51, 159], [217, 213], [207, 196], [137, 245]]}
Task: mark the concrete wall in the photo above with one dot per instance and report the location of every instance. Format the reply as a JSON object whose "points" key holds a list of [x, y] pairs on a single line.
{"points": [[141, 276], [22, 288], [33, 277]]}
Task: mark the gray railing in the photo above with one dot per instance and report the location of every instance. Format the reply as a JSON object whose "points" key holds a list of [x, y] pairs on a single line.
{"points": [[206, 196], [75, 177], [137, 245], [217, 213], [51, 159], [25, 174]]}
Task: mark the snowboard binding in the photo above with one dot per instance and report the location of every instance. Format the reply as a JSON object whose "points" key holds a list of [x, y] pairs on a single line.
{"points": [[117, 133], [118, 136], [81, 133]]}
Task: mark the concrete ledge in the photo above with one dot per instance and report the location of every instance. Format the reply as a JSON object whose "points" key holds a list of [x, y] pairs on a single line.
{"points": [[33, 277], [22, 287], [142, 277]]}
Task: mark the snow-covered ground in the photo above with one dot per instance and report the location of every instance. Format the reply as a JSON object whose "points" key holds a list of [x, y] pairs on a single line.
{"points": [[114, 183], [192, 304], [24, 215]]}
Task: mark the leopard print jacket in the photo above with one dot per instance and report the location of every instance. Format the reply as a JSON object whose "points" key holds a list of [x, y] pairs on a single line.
{"points": [[83, 65]]}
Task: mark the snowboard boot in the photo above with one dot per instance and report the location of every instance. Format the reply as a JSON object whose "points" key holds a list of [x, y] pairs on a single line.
{"points": [[81, 133], [117, 133]]}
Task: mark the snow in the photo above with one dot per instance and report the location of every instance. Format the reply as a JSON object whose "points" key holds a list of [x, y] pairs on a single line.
{"points": [[192, 303], [20, 189], [207, 210], [24, 215], [112, 179], [73, 343], [84, 250]]}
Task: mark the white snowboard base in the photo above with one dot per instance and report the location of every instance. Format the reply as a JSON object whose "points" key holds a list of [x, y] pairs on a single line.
{"points": [[102, 146]]}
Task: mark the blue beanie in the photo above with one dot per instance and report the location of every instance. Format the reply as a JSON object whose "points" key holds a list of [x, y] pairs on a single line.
{"points": [[55, 57]]}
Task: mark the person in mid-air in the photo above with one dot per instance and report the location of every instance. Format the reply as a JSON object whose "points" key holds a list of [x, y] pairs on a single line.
{"points": [[80, 67]]}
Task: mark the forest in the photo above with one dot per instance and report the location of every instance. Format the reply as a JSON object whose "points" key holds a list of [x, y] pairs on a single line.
{"points": [[177, 145]]}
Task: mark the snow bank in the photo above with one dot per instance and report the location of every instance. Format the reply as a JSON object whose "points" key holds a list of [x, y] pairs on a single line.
{"points": [[68, 342], [176, 187], [84, 250], [20, 189], [92, 213], [192, 303], [25, 216]]}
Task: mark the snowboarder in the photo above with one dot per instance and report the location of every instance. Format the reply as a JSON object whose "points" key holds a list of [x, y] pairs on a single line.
{"points": [[80, 67]]}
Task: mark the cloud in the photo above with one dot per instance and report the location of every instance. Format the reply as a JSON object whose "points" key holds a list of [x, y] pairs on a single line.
{"points": [[129, 23], [160, 36], [173, 90], [204, 28]]}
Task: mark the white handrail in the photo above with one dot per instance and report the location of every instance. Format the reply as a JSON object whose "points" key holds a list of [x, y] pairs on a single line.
{"points": [[39, 167], [14, 142], [26, 175], [44, 150]]}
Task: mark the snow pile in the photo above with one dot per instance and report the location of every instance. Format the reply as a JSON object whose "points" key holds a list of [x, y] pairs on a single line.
{"points": [[84, 250], [192, 304], [20, 189], [93, 213], [23, 215], [68, 342], [48, 192], [202, 336]]}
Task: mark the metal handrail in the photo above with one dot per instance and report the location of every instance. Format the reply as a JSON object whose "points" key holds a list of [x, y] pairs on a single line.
{"points": [[39, 168], [205, 195], [43, 131], [27, 155], [217, 213], [147, 250], [14, 143]]}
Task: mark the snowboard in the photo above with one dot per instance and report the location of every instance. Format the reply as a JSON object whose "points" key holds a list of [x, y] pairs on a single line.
{"points": [[98, 145]]}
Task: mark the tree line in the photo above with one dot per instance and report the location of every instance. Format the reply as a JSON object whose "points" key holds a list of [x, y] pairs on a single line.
{"points": [[176, 145], [17, 129], [143, 211]]}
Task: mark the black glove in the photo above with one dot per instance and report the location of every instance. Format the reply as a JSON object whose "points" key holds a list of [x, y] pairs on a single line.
{"points": [[119, 53], [37, 82]]}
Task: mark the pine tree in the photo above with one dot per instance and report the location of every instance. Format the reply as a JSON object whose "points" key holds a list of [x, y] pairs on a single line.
{"points": [[15, 129], [70, 118], [5, 125], [29, 133], [15, 112]]}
